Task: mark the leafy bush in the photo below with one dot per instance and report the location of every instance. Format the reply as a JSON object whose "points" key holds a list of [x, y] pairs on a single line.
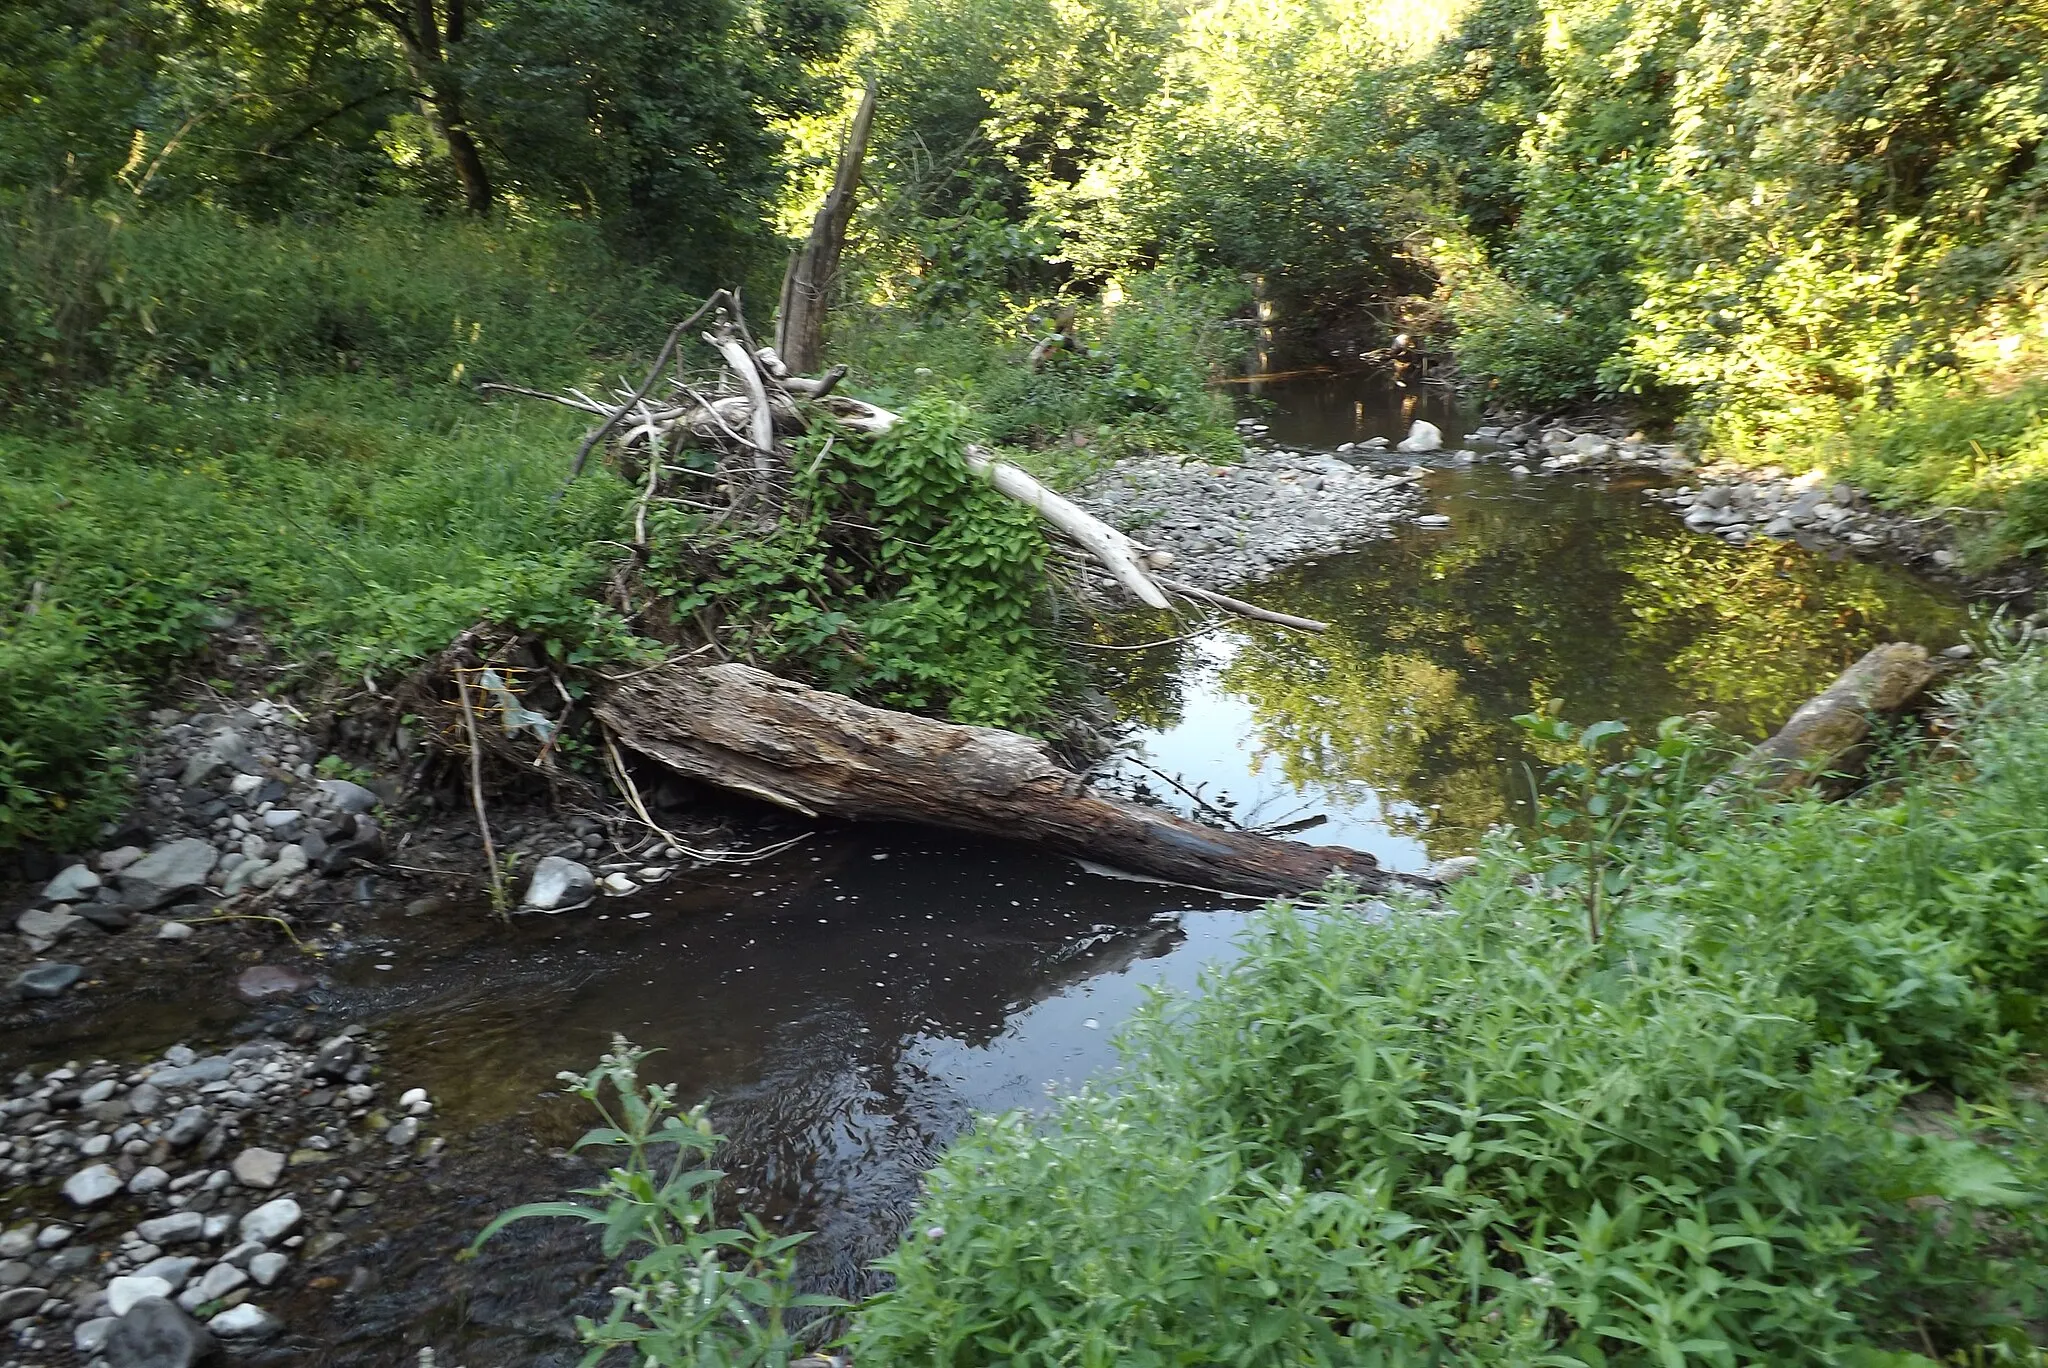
{"points": [[936, 607], [1486, 1135]]}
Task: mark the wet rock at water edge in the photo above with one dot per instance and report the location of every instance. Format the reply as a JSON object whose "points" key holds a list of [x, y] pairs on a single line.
{"points": [[261, 981], [245, 1322], [559, 884], [46, 980], [155, 1334], [1422, 437]]}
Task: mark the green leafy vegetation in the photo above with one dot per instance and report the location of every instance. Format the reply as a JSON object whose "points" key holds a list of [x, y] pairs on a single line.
{"points": [[694, 1293], [1488, 1135]]}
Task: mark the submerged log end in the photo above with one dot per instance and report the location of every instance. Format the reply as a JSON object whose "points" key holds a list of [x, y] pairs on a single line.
{"points": [[1828, 733]]}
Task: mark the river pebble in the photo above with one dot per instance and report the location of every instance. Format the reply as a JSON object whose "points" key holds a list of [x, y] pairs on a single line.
{"points": [[204, 1193]]}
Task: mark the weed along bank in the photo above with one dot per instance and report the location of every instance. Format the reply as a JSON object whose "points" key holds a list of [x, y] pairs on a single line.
{"points": [[859, 683]]}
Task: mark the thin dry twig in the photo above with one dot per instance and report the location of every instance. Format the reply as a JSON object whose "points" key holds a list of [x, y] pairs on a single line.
{"points": [[476, 794]]}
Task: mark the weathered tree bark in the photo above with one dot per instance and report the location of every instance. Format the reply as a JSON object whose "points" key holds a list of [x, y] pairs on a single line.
{"points": [[823, 754], [1828, 734], [807, 284]]}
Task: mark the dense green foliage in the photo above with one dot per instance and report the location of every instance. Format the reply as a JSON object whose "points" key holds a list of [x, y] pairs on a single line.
{"points": [[1489, 1137]]}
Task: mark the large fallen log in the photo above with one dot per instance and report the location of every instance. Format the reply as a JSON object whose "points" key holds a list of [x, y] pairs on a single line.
{"points": [[1830, 733], [823, 754]]}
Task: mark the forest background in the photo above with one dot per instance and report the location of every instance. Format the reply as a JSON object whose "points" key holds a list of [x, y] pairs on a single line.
{"points": [[254, 256]]}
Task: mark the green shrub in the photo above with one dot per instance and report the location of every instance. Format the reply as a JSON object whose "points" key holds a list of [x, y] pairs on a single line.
{"points": [[1485, 1136]]}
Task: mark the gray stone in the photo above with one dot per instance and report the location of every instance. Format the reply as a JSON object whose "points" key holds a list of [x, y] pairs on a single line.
{"points": [[245, 1322], [98, 1092], [166, 873], [226, 750], [266, 1268], [272, 1221], [145, 1099], [18, 1242], [21, 1301], [1421, 437], [15, 1272], [46, 980], [46, 925], [90, 1186], [174, 1269], [335, 1056], [404, 1133], [50, 1236], [347, 797], [148, 1180], [180, 1227], [114, 861], [123, 1293], [156, 1334], [261, 981], [557, 884], [1780, 527], [278, 821], [216, 1283], [258, 1168], [90, 1335], [211, 1069], [290, 862], [174, 931], [71, 885]]}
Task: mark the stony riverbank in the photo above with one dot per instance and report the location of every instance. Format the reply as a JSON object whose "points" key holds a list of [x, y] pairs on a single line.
{"points": [[1225, 524], [163, 1209]]}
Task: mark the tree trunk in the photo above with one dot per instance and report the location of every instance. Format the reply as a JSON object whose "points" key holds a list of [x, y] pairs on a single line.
{"points": [[1827, 735], [807, 284], [823, 754], [425, 38]]}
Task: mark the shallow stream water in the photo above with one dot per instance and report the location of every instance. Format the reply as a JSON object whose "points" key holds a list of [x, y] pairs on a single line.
{"points": [[850, 1006]]}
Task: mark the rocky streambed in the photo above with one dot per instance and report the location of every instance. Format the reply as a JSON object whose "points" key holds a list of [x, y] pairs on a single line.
{"points": [[165, 1208]]}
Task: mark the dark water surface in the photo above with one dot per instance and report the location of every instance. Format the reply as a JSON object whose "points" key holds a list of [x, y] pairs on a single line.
{"points": [[849, 1006]]}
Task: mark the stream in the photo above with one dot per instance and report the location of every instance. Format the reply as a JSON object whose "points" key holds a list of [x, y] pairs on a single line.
{"points": [[849, 1006]]}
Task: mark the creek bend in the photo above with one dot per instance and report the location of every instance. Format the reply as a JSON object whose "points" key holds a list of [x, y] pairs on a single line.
{"points": [[849, 1006]]}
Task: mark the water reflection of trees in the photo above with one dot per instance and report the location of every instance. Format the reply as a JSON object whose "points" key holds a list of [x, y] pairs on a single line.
{"points": [[1542, 592]]}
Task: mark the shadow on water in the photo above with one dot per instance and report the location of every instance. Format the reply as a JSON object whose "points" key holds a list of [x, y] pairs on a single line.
{"points": [[849, 1007]]}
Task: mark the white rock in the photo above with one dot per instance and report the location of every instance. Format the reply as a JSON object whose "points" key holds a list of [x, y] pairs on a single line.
{"points": [[247, 1321], [1422, 437], [272, 1221], [98, 1092], [123, 1293], [1433, 520], [174, 931], [618, 885], [90, 1186], [558, 883], [412, 1095], [266, 1268], [151, 1179], [290, 862], [258, 1168]]}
